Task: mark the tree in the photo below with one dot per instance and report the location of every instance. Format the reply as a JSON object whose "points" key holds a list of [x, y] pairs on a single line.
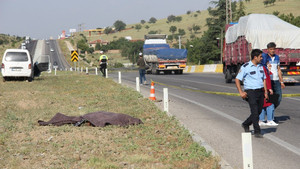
{"points": [[196, 28], [173, 29], [152, 20], [119, 25], [181, 32], [240, 11], [97, 47], [107, 30], [188, 12], [147, 26], [178, 18], [171, 18], [276, 13], [138, 27], [143, 21]]}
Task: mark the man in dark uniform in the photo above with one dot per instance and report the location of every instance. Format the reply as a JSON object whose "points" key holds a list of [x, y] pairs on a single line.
{"points": [[254, 82]]}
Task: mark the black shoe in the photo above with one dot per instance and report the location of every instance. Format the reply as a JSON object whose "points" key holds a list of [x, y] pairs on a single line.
{"points": [[246, 128], [258, 135]]}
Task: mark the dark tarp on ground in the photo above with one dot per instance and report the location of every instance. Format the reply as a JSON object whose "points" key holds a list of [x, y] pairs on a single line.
{"points": [[98, 119]]}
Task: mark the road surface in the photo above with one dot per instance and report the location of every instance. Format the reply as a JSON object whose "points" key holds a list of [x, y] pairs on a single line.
{"points": [[217, 118]]}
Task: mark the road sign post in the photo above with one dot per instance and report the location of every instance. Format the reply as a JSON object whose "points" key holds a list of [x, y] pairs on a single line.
{"points": [[74, 56], [247, 151]]}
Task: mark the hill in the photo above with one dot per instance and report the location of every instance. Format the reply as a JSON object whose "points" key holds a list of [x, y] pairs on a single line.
{"points": [[7, 41], [196, 18]]}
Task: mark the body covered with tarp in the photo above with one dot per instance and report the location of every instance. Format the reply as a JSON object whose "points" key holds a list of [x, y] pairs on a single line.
{"points": [[261, 29]]}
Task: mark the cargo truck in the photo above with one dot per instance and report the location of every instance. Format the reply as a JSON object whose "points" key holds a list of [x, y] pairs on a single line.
{"points": [[255, 31], [161, 58]]}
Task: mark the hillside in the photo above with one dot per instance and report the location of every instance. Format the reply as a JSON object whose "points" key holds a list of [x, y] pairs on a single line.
{"points": [[7, 42], [254, 6]]}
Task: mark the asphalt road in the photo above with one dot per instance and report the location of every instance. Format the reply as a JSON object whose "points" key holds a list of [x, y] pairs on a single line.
{"points": [[217, 118], [56, 56]]}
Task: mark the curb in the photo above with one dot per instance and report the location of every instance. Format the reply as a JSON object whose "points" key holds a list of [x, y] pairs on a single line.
{"points": [[214, 68]]}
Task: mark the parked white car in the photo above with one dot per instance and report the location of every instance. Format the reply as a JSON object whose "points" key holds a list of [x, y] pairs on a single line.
{"points": [[17, 63]]}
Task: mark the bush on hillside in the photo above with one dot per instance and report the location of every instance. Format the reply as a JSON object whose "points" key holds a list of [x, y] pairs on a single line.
{"points": [[119, 25], [152, 20], [152, 32]]}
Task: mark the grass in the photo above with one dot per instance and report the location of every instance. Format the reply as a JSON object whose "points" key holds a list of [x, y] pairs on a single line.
{"points": [[159, 143]]}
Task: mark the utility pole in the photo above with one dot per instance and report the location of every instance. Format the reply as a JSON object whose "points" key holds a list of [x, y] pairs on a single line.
{"points": [[228, 12]]}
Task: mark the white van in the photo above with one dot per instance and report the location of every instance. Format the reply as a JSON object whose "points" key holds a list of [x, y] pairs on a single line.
{"points": [[17, 63]]}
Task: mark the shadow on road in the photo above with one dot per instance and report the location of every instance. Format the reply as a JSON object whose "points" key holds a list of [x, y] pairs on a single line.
{"points": [[280, 119]]}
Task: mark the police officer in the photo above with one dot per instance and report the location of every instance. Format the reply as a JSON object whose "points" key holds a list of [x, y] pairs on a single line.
{"points": [[103, 63], [252, 74]]}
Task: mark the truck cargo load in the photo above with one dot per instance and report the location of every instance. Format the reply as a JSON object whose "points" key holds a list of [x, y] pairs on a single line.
{"points": [[255, 31], [161, 58]]}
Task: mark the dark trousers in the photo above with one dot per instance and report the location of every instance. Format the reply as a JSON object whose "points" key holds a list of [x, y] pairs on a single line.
{"points": [[276, 86], [256, 102], [142, 75], [103, 69]]}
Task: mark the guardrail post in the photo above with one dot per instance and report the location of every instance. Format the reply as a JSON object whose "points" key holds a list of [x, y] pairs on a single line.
{"points": [[96, 70], [166, 100], [71, 69], [247, 151], [106, 73], [120, 79], [137, 84], [81, 70], [55, 71], [86, 70]]}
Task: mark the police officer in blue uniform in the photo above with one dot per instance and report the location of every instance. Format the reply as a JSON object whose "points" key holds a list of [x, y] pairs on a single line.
{"points": [[252, 74]]}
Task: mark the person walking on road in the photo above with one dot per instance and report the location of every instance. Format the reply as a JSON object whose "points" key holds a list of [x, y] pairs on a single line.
{"points": [[272, 61], [253, 75], [268, 107], [103, 63], [142, 69]]}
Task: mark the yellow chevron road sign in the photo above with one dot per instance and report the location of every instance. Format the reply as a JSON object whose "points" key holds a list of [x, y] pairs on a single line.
{"points": [[74, 56]]}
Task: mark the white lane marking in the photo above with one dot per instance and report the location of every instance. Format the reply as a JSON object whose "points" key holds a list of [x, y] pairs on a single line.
{"points": [[292, 98], [270, 137], [204, 83], [184, 86]]}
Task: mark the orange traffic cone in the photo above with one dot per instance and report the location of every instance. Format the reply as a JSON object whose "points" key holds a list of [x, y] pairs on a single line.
{"points": [[152, 92]]}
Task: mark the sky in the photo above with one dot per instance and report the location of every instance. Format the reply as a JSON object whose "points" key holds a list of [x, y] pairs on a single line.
{"points": [[41, 19]]}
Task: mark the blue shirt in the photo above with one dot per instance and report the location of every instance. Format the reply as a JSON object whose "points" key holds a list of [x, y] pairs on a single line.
{"points": [[252, 75], [274, 62]]}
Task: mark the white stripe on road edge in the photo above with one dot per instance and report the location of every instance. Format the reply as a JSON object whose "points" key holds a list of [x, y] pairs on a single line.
{"points": [[204, 83], [292, 98], [270, 137]]}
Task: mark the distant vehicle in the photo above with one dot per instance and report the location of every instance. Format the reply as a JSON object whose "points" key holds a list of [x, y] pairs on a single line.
{"points": [[27, 39], [23, 46], [17, 63], [255, 31], [160, 57], [51, 50]]}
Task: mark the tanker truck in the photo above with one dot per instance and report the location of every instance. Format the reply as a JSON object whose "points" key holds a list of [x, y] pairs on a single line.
{"points": [[161, 58], [255, 31]]}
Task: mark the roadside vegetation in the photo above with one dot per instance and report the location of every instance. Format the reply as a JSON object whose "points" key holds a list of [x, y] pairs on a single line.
{"points": [[7, 42], [161, 142]]}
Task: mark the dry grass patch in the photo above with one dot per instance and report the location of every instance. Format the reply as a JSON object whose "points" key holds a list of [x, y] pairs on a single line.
{"points": [[159, 143]]}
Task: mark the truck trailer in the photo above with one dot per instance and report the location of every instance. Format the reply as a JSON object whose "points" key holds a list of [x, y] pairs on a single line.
{"points": [[255, 31], [161, 58]]}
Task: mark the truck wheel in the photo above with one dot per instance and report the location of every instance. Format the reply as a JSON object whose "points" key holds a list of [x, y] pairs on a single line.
{"points": [[181, 72], [4, 79], [228, 76]]}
